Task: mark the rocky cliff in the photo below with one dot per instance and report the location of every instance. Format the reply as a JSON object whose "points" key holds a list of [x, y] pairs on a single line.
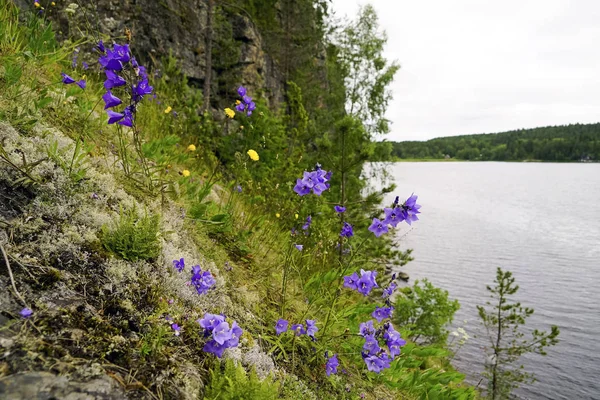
{"points": [[178, 28]]}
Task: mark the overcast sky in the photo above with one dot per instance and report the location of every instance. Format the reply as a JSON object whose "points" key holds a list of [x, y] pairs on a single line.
{"points": [[482, 66]]}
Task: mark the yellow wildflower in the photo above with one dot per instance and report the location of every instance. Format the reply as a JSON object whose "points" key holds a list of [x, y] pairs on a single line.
{"points": [[191, 147], [36, 4], [229, 112], [253, 155], [53, 4], [296, 215], [185, 173], [237, 102], [168, 110], [278, 215]]}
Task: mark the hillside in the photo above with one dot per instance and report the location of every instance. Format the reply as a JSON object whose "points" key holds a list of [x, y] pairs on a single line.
{"points": [[553, 143]]}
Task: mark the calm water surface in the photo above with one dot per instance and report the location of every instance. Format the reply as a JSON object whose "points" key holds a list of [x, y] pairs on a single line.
{"points": [[540, 221]]}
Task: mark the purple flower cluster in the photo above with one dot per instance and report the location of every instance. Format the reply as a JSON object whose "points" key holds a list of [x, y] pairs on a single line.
{"points": [[316, 181], [246, 104], [377, 358], [311, 328], [393, 216], [203, 281], [222, 336], [115, 61], [363, 284]]}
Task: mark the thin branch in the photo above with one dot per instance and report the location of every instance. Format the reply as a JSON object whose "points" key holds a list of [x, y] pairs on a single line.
{"points": [[12, 279]]}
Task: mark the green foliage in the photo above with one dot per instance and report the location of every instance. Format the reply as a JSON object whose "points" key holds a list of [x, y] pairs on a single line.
{"points": [[74, 164], [367, 73], [416, 372], [503, 319], [231, 382], [425, 311], [553, 143], [133, 238]]}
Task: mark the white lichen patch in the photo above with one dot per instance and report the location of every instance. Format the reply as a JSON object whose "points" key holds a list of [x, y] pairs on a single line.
{"points": [[259, 360]]}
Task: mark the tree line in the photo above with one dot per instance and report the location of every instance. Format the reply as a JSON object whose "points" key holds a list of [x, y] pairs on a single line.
{"points": [[575, 142]]}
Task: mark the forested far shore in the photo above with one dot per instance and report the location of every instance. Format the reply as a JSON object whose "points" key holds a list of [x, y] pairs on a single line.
{"points": [[568, 143]]}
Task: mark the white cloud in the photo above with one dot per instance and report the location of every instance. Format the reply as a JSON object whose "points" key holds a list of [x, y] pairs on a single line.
{"points": [[477, 66]]}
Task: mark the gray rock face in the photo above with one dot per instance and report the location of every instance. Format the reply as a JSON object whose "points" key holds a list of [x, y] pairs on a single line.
{"points": [[176, 27], [47, 386]]}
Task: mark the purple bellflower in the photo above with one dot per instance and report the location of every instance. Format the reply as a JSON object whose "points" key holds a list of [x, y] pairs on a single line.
{"points": [[351, 281], [221, 333], [141, 89], [366, 283], [387, 292], [299, 247], [411, 209], [210, 321], [366, 328], [301, 188], [332, 365], [241, 91], [236, 333], [281, 326], [214, 348], [202, 281], [307, 223], [393, 216], [110, 100], [113, 80], [347, 230], [66, 79], [371, 345], [299, 329], [114, 116], [311, 328], [382, 313], [128, 119], [377, 363], [339, 209], [179, 265], [26, 312], [100, 47], [378, 227]]}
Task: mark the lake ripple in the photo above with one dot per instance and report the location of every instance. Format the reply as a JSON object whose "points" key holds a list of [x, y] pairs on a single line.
{"points": [[539, 220]]}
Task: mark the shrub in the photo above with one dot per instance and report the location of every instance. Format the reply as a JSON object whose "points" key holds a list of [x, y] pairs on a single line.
{"points": [[425, 310]]}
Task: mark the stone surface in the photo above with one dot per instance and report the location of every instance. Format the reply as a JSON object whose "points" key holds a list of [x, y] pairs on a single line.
{"points": [[176, 27], [47, 386]]}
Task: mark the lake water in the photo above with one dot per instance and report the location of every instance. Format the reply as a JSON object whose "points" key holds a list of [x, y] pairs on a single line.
{"points": [[540, 221]]}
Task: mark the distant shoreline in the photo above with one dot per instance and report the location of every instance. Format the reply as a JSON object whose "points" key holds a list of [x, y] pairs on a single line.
{"points": [[507, 161]]}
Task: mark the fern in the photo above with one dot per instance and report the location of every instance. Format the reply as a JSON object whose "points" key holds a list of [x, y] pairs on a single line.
{"points": [[133, 238], [231, 382]]}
